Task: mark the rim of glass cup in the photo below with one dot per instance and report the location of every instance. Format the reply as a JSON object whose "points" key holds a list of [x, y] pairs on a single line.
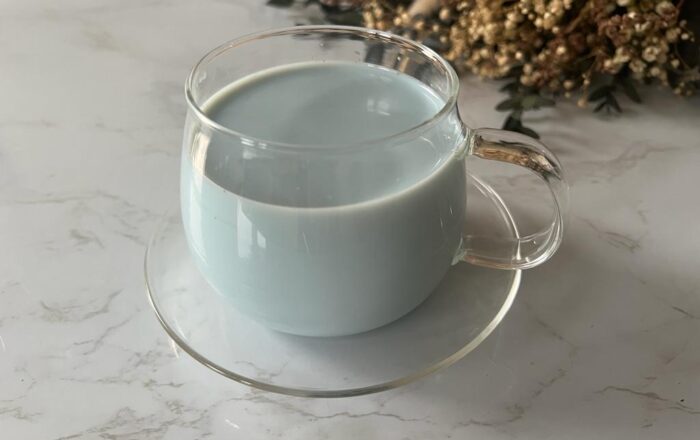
{"points": [[368, 34], [353, 391]]}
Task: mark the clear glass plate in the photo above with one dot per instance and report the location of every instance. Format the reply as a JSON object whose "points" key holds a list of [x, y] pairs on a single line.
{"points": [[469, 303]]}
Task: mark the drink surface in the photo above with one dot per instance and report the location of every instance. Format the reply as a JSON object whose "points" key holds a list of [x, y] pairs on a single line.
{"points": [[323, 103]]}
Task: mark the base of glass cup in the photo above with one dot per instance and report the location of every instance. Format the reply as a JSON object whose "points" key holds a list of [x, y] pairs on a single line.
{"points": [[462, 311]]}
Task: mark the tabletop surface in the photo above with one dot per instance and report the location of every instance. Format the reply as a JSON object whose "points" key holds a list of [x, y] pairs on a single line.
{"points": [[601, 342]]}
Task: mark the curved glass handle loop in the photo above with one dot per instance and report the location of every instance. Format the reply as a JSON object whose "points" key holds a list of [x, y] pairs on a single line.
{"points": [[531, 250]]}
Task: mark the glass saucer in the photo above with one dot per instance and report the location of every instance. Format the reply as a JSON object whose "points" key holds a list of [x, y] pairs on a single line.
{"points": [[469, 303]]}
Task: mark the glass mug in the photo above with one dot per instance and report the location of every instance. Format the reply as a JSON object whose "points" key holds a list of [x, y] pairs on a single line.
{"points": [[321, 241]]}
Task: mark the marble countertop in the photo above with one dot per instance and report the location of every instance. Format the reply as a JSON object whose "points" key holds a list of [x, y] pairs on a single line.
{"points": [[602, 341]]}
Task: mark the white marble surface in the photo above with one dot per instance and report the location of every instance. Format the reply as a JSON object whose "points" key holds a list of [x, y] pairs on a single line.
{"points": [[602, 342]]}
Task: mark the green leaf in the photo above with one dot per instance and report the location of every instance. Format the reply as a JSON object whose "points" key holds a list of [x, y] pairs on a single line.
{"points": [[600, 93], [612, 103], [529, 131], [533, 102], [508, 104], [600, 80], [280, 3], [514, 72], [629, 90], [584, 64], [511, 87], [529, 102], [511, 124]]}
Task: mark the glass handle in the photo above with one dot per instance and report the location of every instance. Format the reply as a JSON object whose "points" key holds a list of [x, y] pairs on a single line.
{"points": [[531, 250]]}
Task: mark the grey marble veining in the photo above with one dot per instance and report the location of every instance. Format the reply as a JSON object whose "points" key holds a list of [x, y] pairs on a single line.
{"points": [[602, 341]]}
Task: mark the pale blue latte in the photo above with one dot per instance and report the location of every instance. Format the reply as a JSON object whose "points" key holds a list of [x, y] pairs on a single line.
{"points": [[331, 239]]}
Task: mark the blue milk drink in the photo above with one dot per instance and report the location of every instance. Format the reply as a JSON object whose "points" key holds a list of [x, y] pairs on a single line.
{"points": [[343, 235]]}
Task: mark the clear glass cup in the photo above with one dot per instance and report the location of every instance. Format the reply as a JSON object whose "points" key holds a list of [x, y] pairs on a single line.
{"points": [[320, 241]]}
